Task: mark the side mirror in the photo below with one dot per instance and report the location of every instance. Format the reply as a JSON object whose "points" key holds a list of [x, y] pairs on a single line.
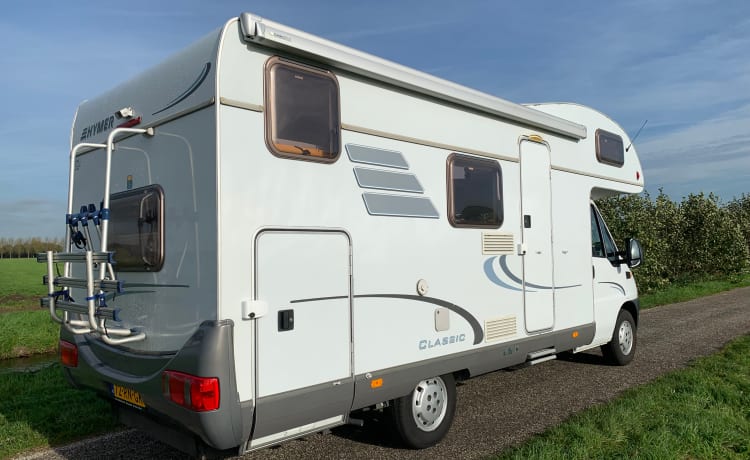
{"points": [[633, 253]]}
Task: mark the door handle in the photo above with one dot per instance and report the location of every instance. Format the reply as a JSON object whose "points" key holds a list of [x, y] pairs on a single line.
{"points": [[286, 320]]}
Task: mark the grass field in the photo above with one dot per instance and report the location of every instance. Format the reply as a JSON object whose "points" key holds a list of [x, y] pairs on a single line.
{"points": [[21, 284], [41, 409], [700, 412], [681, 292]]}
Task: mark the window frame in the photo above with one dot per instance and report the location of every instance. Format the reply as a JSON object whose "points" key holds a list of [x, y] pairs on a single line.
{"points": [[270, 109], [599, 135], [113, 244], [483, 162]]}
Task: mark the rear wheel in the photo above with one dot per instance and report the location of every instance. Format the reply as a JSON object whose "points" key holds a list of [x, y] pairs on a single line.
{"points": [[621, 349], [422, 418]]}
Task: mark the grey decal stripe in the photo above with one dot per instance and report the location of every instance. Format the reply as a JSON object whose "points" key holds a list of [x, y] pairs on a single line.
{"points": [[475, 326], [509, 274], [375, 156], [615, 285], [379, 204], [191, 89], [387, 180]]}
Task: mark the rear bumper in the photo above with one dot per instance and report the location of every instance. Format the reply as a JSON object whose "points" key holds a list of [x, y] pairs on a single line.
{"points": [[208, 353]]}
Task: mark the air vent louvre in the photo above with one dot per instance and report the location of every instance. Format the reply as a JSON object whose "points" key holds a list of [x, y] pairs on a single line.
{"points": [[497, 243], [499, 328]]}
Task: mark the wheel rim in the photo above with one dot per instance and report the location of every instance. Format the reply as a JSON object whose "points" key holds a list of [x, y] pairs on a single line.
{"points": [[429, 403], [625, 335]]}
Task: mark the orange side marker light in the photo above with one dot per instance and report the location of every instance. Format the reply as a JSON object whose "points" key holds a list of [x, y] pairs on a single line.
{"points": [[377, 383]]}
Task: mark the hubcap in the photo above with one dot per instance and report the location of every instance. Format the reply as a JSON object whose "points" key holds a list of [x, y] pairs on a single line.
{"points": [[625, 335], [428, 403]]}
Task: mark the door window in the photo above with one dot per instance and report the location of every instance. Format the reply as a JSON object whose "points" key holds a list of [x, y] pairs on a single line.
{"points": [[602, 244]]}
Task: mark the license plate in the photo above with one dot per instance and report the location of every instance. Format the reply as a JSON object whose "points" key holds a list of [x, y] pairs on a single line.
{"points": [[128, 396]]}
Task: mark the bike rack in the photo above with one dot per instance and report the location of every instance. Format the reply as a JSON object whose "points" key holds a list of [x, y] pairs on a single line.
{"points": [[95, 308]]}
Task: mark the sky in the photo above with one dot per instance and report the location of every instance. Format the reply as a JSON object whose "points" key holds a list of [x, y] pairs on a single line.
{"points": [[682, 65]]}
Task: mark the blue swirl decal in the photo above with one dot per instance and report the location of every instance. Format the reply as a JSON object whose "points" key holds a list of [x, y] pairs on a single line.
{"points": [[492, 276], [503, 260]]}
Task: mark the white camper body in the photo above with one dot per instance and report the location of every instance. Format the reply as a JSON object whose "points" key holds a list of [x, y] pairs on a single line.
{"points": [[259, 293]]}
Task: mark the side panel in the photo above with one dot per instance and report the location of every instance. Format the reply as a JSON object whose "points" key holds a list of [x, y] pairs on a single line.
{"points": [[537, 236]]}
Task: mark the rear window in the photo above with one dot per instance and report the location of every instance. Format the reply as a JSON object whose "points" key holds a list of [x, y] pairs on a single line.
{"points": [[136, 229], [302, 112], [609, 148], [474, 192]]}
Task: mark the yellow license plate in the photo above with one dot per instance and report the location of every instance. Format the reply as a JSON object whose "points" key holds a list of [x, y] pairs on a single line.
{"points": [[128, 396]]}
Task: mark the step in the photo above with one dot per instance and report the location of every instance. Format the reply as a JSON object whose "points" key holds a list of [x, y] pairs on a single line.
{"points": [[541, 360], [103, 285], [96, 257], [83, 309], [541, 353]]}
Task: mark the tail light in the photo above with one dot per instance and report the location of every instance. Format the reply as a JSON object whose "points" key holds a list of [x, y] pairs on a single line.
{"points": [[196, 393], [68, 353]]}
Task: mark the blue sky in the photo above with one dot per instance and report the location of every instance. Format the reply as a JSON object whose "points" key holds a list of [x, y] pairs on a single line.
{"points": [[683, 65]]}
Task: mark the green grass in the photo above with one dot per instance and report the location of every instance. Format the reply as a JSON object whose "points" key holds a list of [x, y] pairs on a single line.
{"points": [[21, 284], [684, 291], [25, 328], [25, 333], [39, 409], [700, 412]]}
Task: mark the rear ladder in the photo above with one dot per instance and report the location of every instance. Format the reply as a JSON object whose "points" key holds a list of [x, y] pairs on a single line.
{"points": [[96, 284]]}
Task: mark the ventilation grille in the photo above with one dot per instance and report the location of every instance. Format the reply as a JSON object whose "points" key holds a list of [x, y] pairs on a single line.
{"points": [[497, 243], [497, 329]]}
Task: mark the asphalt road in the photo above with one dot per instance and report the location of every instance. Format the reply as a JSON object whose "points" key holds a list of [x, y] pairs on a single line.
{"points": [[500, 409]]}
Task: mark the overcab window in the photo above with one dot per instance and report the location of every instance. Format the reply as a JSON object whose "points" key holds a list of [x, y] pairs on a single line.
{"points": [[136, 229], [302, 112], [475, 192], [609, 148]]}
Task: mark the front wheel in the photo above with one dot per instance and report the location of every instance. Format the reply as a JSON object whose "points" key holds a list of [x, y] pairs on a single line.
{"points": [[423, 418], [621, 349]]}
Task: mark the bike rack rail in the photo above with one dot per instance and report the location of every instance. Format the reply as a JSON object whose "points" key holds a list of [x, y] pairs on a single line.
{"points": [[95, 309]]}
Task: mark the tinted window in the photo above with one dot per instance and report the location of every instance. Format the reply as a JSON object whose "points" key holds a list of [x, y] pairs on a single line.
{"points": [[136, 229], [597, 247], [474, 192], [609, 148], [302, 111], [606, 245]]}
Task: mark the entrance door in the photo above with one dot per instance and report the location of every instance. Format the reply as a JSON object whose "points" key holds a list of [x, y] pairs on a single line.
{"points": [[303, 372], [537, 236]]}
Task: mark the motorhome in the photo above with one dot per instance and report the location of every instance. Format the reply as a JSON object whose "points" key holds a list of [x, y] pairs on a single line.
{"points": [[270, 232]]}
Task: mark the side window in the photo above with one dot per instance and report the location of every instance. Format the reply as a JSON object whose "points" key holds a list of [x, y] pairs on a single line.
{"points": [[607, 247], [136, 229], [475, 192], [609, 148], [302, 112], [597, 247]]}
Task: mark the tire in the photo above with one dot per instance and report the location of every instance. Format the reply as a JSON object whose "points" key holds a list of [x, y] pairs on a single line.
{"points": [[422, 418], [621, 349]]}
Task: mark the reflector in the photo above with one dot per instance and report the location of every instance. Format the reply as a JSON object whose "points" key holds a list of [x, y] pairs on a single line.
{"points": [[68, 353]]}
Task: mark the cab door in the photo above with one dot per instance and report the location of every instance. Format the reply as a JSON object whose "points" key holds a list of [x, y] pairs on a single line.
{"points": [[609, 276]]}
